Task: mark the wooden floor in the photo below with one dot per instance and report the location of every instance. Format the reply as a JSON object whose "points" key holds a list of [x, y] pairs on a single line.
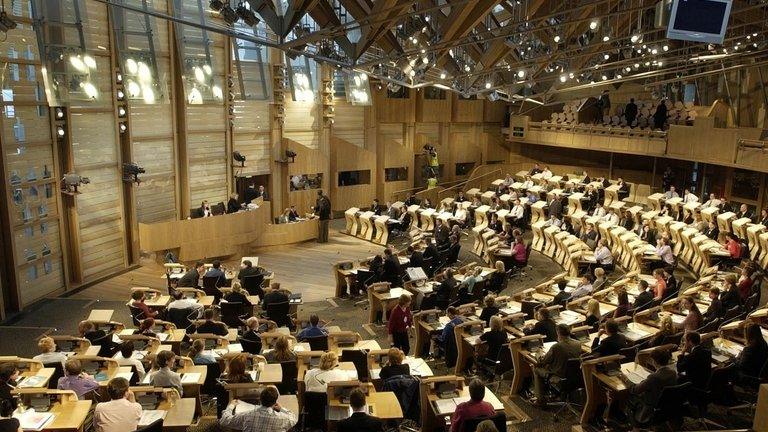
{"points": [[303, 267]]}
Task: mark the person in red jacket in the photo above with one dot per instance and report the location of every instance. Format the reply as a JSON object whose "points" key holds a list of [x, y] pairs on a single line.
{"points": [[400, 322], [473, 408]]}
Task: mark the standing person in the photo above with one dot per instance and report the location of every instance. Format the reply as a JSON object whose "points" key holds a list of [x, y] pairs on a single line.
{"points": [[399, 324], [121, 413], [604, 103], [323, 210], [660, 116], [630, 112]]}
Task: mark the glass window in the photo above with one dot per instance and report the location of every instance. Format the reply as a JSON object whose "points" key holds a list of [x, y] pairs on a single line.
{"points": [[395, 174], [434, 93], [302, 75], [746, 184], [306, 181], [397, 92], [352, 178], [251, 64]]}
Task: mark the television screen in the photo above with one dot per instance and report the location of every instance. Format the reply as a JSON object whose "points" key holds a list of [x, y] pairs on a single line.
{"points": [[699, 20]]}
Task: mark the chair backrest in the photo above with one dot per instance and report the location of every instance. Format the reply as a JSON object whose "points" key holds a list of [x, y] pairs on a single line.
{"points": [[574, 378], [136, 315], [499, 420], [314, 407], [290, 372], [318, 343], [211, 285], [231, 313], [278, 312], [251, 346], [731, 314], [751, 302], [58, 372], [252, 284], [107, 345], [360, 360], [213, 372], [671, 401], [673, 339], [180, 317], [628, 353]]}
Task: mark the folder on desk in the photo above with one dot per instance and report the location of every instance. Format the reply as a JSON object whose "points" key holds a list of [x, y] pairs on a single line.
{"points": [[32, 381], [31, 420], [190, 378], [150, 416]]}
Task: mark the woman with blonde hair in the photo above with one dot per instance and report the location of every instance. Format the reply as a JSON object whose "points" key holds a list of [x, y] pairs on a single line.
{"points": [[317, 379], [48, 354], [486, 426], [666, 328], [593, 314], [495, 339], [237, 295], [498, 280], [396, 366], [282, 351]]}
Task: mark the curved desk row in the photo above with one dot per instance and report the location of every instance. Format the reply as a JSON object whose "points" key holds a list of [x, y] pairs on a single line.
{"points": [[224, 235]]}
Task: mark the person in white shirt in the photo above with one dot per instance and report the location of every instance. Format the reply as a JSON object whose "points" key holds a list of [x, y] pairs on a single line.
{"points": [[671, 193], [48, 354], [317, 379], [508, 180], [713, 201], [665, 252], [517, 213], [688, 197], [553, 221], [125, 357], [121, 413], [461, 214], [528, 183], [599, 211], [611, 217], [546, 174], [603, 255], [179, 302], [584, 288]]}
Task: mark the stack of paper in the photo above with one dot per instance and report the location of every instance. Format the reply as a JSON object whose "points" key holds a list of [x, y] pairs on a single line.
{"points": [[190, 378], [636, 374], [31, 420], [126, 375], [150, 416], [32, 381]]}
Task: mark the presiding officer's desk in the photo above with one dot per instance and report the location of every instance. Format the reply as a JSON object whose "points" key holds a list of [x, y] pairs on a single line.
{"points": [[223, 235], [69, 413]]}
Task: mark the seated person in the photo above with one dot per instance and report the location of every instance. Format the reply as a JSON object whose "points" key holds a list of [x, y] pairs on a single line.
{"points": [[146, 328], [9, 375], [644, 396], [216, 271], [236, 373], [282, 351], [359, 420], [734, 249], [88, 330], [519, 252], [274, 295], [603, 256], [475, 407], [694, 364], [121, 413], [317, 379], [268, 416], [8, 423], [210, 326], [48, 354], [164, 376], [660, 290], [553, 221], [125, 357], [645, 298], [664, 251], [666, 328], [446, 287], [599, 211], [293, 215], [312, 330], [199, 355], [498, 279], [452, 256], [138, 298], [612, 343], [461, 215], [745, 282], [76, 380], [376, 208], [752, 358], [253, 333], [415, 258], [517, 214], [562, 296], [623, 304], [496, 338], [555, 360], [181, 302], [395, 365], [594, 316], [693, 319], [731, 297], [715, 309], [237, 295], [589, 236], [712, 231], [584, 287], [489, 310], [191, 279], [247, 269], [468, 284], [448, 331], [544, 326], [599, 281]]}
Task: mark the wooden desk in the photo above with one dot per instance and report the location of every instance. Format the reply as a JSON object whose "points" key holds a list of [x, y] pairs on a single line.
{"points": [[383, 302], [760, 422], [101, 315], [45, 373], [383, 404], [69, 415]]}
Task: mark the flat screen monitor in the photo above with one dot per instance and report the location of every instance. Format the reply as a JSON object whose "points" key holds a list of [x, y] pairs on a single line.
{"points": [[699, 20]]}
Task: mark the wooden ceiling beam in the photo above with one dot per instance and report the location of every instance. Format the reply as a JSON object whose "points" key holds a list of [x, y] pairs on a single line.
{"points": [[295, 13], [372, 33]]}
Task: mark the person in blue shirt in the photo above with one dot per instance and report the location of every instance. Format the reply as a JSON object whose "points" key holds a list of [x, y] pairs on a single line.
{"points": [[312, 330], [532, 198], [216, 270], [447, 334]]}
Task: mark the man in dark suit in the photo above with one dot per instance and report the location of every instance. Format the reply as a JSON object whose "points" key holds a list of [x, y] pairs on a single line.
{"points": [[630, 111], [209, 326], [411, 200], [293, 214], [360, 420], [716, 308], [275, 295], [215, 270], [613, 342], [695, 361], [392, 269], [644, 299], [452, 256], [645, 395], [416, 257], [445, 289], [191, 278], [556, 207], [262, 193], [247, 270], [712, 231], [376, 207], [441, 232], [544, 326], [562, 296], [233, 206], [745, 212], [323, 211]]}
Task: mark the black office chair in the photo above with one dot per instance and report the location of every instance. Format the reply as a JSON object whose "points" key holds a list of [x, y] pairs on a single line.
{"points": [[251, 346], [252, 284], [499, 420], [137, 315], [746, 389], [569, 388], [313, 413], [290, 372], [709, 327], [628, 353], [210, 386], [496, 367], [318, 343], [181, 318], [233, 314], [107, 346], [155, 426], [751, 303], [699, 400], [673, 339], [732, 314], [279, 313], [211, 286], [58, 372], [360, 359], [672, 406]]}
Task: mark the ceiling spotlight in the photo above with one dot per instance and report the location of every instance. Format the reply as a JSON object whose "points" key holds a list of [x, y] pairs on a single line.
{"points": [[442, 75], [593, 25], [658, 64], [665, 48], [654, 51], [634, 38], [488, 85], [606, 38], [59, 113], [228, 15], [123, 127], [557, 38], [618, 76], [412, 62], [121, 112], [412, 73], [60, 131], [425, 60], [216, 5], [604, 77], [521, 74], [606, 56], [563, 78], [247, 15], [467, 68]]}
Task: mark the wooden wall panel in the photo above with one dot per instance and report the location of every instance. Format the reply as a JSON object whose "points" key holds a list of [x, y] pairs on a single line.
{"points": [[252, 136], [392, 110], [308, 161], [208, 161], [349, 123], [347, 156], [433, 110], [302, 123], [494, 112], [99, 207], [466, 110]]}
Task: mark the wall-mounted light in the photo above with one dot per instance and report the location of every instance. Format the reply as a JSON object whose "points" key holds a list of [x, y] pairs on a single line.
{"points": [[59, 113], [121, 112], [60, 131], [123, 127]]}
